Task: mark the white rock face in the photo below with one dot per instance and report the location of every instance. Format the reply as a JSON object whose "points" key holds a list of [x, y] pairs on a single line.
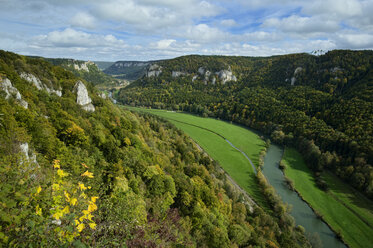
{"points": [[32, 79], [24, 149], [102, 95], [154, 71], [10, 91], [226, 75], [38, 84], [223, 75], [194, 78], [178, 73], [213, 81], [83, 66], [294, 79], [82, 97]]}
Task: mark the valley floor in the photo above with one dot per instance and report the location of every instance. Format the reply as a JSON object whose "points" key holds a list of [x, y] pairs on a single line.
{"points": [[347, 211]]}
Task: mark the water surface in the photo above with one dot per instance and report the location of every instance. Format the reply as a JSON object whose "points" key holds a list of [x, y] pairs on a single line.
{"points": [[301, 212]]}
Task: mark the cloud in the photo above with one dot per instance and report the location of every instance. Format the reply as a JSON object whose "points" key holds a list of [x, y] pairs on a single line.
{"points": [[302, 25], [149, 15], [228, 23], [355, 40], [336, 9], [72, 38], [83, 20]]}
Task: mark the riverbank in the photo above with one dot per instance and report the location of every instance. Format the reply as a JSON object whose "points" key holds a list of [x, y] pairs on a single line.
{"points": [[345, 223]]}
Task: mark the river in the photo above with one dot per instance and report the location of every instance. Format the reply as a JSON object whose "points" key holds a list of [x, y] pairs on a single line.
{"points": [[301, 212]]}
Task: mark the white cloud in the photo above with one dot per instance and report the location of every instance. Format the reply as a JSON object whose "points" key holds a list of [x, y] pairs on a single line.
{"points": [[148, 15], [83, 20], [302, 25], [229, 23], [338, 9], [72, 38], [355, 40]]}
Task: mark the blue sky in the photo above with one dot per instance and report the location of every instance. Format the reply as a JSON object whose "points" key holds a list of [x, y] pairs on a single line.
{"points": [[112, 30]]}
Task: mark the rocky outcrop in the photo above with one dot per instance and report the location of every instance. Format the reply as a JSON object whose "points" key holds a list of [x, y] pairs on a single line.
{"points": [[11, 91], [154, 71], [38, 84], [82, 97], [226, 76], [178, 73], [294, 78], [82, 66], [102, 95], [223, 75]]}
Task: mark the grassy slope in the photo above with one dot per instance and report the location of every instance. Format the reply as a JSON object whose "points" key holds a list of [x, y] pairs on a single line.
{"points": [[232, 161], [353, 230]]}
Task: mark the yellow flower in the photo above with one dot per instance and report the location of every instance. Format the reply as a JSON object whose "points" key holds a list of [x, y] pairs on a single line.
{"points": [[80, 227], [38, 190], [94, 198], [87, 174], [76, 222], [92, 225], [81, 186], [73, 201]]}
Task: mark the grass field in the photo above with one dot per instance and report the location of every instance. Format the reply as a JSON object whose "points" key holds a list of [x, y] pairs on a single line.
{"points": [[231, 160], [345, 210]]}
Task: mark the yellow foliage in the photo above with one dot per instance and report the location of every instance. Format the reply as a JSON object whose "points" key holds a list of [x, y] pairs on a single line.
{"points": [[87, 174], [92, 225], [92, 207], [56, 164], [38, 210], [94, 198], [38, 190], [80, 227], [66, 210], [82, 187], [73, 201], [67, 195], [61, 173]]}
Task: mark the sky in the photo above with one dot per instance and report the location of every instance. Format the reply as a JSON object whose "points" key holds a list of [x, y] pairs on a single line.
{"points": [[111, 30]]}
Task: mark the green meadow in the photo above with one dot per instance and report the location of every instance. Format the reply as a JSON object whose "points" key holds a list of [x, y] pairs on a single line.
{"points": [[348, 212], [231, 160]]}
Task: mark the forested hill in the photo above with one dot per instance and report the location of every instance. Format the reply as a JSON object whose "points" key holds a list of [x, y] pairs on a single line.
{"points": [[78, 171], [322, 105], [87, 70]]}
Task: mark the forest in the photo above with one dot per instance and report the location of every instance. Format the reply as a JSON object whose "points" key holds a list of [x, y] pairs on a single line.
{"points": [[321, 105], [109, 177]]}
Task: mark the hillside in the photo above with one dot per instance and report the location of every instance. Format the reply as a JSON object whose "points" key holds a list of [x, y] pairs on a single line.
{"points": [[76, 171], [322, 105], [129, 70], [87, 70]]}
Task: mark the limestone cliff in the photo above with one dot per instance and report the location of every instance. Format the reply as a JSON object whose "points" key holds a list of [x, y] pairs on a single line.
{"points": [[82, 97]]}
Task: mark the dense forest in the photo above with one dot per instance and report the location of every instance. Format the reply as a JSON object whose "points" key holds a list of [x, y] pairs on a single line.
{"points": [[73, 176], [322, 105]]}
